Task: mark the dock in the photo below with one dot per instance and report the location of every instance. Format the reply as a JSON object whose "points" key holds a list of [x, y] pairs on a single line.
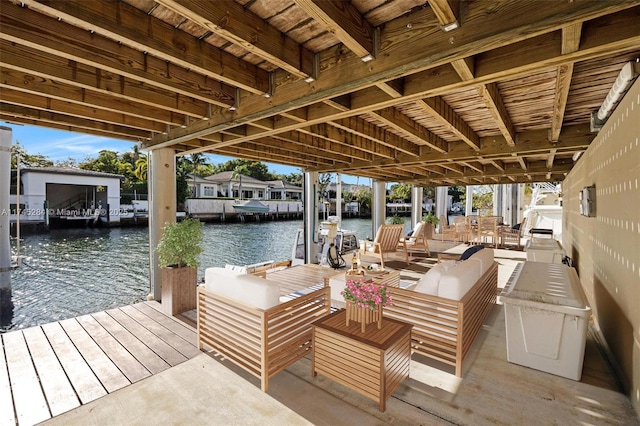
{"points": [[51, 369]]}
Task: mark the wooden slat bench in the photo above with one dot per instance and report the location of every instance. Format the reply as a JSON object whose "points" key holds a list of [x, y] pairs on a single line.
{"points": [[444, 329], [261, 341]]}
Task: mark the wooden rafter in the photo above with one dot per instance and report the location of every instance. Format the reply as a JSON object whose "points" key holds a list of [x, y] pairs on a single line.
{"points": [[491, 95], [132, 27], [231, 21], [447, 12], [442, 112], [344, 21]]}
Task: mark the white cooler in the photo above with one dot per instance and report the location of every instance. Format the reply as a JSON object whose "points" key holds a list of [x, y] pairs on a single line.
{"points": [[544, 250], [546, 318]]}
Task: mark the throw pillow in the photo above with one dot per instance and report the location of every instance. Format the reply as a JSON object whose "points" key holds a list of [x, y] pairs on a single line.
{"points": [[469, 252]]}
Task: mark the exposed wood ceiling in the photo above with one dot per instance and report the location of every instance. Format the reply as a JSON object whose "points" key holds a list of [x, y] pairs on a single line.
{"points": [[374, 88]]}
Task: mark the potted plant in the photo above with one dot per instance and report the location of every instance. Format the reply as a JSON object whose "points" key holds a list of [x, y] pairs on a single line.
{"points": [[364, 302], [431, 221], [178, 252], [396, 220]]}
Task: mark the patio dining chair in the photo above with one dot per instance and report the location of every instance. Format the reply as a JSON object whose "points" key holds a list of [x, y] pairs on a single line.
{"points": [[388, 241], [513, 235], [418, 239]]}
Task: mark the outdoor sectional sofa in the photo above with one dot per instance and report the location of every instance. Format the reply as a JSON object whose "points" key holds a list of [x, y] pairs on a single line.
{"points": [[448, 306], [240, 316]]}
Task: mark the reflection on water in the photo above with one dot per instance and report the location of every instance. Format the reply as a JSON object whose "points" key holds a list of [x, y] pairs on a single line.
{"points": [[73, 272]]}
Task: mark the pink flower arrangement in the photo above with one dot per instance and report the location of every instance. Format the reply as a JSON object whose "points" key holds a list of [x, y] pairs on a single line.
{"points": [[366, 294]]}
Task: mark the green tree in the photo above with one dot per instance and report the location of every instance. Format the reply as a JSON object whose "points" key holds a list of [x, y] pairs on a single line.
{"points": [[238, 172], [255, 169], [363, 197], [69, 163], [182, 183], [199, 164], [400, 191], [483, 198], [26, 159], [106, 162], [142, 165]]}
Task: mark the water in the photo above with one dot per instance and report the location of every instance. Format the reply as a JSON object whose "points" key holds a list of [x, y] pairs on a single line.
{"points": [[73, 272]]}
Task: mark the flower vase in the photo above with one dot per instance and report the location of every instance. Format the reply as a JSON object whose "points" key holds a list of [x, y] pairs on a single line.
{"points": [[363, 316]]}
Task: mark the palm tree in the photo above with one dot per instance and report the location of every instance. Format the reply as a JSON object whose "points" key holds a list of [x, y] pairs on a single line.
{"points": [[198, 162], [238, 172], [141, 168]]}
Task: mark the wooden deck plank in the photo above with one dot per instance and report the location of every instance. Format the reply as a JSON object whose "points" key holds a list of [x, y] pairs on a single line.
{"points": [[28, 398], [153, 342], [56, 386], [152, 309], [186, 348], [126, 362], [85, 383], [107, 372], [139, 350], [7, 414]]}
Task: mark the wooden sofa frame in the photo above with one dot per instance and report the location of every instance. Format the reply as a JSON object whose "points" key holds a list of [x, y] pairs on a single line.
{"points": [[261, 341], [444, 329]]}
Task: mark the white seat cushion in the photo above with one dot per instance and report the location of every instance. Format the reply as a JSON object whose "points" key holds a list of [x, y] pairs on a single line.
{"points": [[416, 232], [485, 257], [430, 281], [245, 288], [457, 281]]}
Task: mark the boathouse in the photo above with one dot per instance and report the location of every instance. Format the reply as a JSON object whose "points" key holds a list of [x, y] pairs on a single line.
{"points": [[65, 196]]}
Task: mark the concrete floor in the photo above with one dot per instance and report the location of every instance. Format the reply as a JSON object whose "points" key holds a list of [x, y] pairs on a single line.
{"points": [[207, 390]]}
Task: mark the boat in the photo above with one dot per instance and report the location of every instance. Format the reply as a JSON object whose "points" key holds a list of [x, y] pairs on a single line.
{"points": [[545, 210], [329, 233], [252, 206]]}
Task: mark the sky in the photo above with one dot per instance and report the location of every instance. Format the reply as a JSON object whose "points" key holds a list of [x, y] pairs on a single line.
{"points": [[59, 145]]}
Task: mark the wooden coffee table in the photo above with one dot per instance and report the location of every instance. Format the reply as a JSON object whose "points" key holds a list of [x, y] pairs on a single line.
{"points": [[372, 363]]}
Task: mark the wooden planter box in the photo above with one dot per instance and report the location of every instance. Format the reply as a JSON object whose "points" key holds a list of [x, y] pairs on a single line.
{"points": [[179, 287]]}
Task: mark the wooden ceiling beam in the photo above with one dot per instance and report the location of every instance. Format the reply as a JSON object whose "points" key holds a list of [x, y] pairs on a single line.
{"points": [[465, 68], [490, 93], [350, 140], [27, 83], [497, 164], [447, 13], [413, 131], [472, 166], [116, 131], [535, 169], [251, 151], [344, 21], [377, 134], [122, 22], [48, 66], [360, 149], [296, 141], [239, 25], [570, 44], [530, 143], [23, 121], [37, 102], [100, 52], [551, 157], [447, 117]]}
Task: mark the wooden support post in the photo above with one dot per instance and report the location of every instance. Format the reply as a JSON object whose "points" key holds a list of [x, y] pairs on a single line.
{"points": [[6, 303], [162, 206]]}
